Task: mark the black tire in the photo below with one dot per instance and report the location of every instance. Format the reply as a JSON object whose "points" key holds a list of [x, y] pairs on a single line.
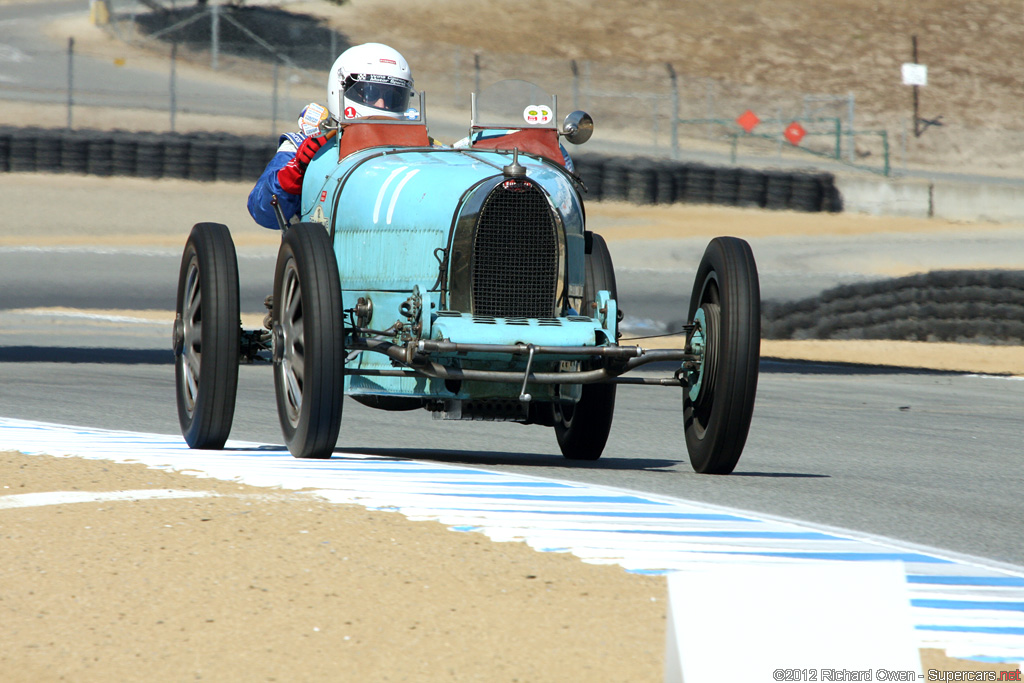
{"points": [[725, 186], [6, 132], [175, 157], [778, 189], [150, 160], [751, 188], [700, 182], [309, 352], [124, 154], [582, 429], [23, 151], [48, 152], [718, 408], [99, 159], [228, 166], [207, 328], [202, 158], [74, 152], [642, 182], [805, 194], [615, 180]]}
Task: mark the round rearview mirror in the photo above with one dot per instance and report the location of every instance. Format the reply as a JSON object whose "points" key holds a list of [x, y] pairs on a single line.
{"points": [[578, 127]]}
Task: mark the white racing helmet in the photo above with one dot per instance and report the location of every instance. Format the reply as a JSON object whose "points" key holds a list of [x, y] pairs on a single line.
{"points": [[374, 80]]}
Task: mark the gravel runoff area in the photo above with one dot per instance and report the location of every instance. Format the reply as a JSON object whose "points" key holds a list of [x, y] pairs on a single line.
{"points": [[252, 584]]}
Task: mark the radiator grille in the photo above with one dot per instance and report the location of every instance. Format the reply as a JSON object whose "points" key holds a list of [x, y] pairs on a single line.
{"points": [[515, 254]]}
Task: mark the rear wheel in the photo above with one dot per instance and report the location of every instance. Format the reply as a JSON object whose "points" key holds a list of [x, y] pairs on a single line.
{"points": [[718, 400], [206, 336], [582, 428], [308, 342]]}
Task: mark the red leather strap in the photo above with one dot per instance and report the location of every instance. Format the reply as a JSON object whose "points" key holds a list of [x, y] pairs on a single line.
{"points": [[541, 142], [360, 136]]}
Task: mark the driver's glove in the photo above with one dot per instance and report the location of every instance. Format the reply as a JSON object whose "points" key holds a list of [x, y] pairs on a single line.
{"points": [[290, 176]]}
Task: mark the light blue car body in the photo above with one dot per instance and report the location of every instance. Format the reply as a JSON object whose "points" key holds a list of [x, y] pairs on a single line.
{"points": [[392, 212]]}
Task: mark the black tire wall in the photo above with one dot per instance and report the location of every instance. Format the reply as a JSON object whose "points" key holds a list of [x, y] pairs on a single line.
{"points": [[234, 158], [975, 306], [201, 156]]}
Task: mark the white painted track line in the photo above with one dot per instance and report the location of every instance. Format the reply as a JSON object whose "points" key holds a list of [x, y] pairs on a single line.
{"points": [[970, 607]]}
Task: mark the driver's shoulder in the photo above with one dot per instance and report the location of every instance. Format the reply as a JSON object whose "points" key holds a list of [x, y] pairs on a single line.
{"points": [[289, 142]]}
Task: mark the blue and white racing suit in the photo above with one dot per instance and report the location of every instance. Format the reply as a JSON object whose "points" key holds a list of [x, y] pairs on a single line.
{"points": [[267, 186]]}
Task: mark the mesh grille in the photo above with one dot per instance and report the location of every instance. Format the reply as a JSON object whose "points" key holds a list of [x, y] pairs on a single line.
{"points": [[515, 254]]}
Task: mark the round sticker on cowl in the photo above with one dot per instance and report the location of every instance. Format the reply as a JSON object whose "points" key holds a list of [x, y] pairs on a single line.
{"points": [[537, 114]]}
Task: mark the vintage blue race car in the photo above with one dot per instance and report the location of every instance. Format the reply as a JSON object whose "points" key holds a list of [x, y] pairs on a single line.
{"points": [[461, 280]]}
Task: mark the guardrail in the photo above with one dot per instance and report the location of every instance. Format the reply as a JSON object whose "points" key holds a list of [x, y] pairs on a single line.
{"points": [[228, 157]]}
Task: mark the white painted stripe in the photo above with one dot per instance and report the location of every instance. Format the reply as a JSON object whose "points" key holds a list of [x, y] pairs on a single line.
{"points": [[964, 605], [79, 315], [28, 500], [96, 251], [398, 191], [383, 189]]}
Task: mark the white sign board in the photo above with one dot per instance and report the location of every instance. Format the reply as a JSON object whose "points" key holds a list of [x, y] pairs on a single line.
{"points": [[785, 621], [914, 74]]}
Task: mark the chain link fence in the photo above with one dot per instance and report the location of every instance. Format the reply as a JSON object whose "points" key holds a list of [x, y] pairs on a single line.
{"points": [[268, 63]]}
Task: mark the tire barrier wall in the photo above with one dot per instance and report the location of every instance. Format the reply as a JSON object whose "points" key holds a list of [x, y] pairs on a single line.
{"points": [[652, 181], [975, 306], [223, 156], [197, 156]]}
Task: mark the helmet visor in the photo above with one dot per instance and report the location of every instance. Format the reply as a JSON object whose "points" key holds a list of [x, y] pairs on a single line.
{"points": [[379, 92]]}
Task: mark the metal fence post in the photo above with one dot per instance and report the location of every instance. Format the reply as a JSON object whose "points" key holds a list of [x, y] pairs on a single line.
{"points": [[586, 84], [173, 85], [214, 35], [675, 110], [851, 151], [71, 80], [575, 84], [457, 74], [710, 97], [885, 150], [273, 102], [476, 76], [654, 121]]}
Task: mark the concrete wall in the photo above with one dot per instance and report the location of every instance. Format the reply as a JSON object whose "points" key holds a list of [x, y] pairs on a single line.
{"points": [[932, 199]]}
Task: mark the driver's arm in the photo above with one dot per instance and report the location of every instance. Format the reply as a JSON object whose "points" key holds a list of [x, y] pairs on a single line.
{"points": [[283, 178], [268, 185]]}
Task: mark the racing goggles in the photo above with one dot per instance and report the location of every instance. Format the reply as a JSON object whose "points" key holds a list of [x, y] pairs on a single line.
{"points": [[379, 92]]}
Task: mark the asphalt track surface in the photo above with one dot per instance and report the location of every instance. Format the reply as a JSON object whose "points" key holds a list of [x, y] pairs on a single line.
{"points": [[919, 456]]}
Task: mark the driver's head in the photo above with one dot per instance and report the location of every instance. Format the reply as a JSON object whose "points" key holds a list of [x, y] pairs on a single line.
{"points": [[369, 80]]}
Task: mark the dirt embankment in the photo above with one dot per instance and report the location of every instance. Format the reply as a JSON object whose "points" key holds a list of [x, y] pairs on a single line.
{"points": [[267, 585], [250, 584]]}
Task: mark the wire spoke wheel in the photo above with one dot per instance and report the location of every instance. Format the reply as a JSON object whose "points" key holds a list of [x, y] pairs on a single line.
{"points": [[206, 336], [308, 342], [293, 358]]}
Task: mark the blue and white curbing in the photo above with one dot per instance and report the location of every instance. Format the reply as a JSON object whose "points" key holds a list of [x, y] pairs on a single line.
{"points": [[970, 607]]}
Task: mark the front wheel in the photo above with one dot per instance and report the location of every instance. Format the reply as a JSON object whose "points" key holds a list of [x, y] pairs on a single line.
{"points": [[582, 428], [206, 336], [308, 342], [718, 400]]}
